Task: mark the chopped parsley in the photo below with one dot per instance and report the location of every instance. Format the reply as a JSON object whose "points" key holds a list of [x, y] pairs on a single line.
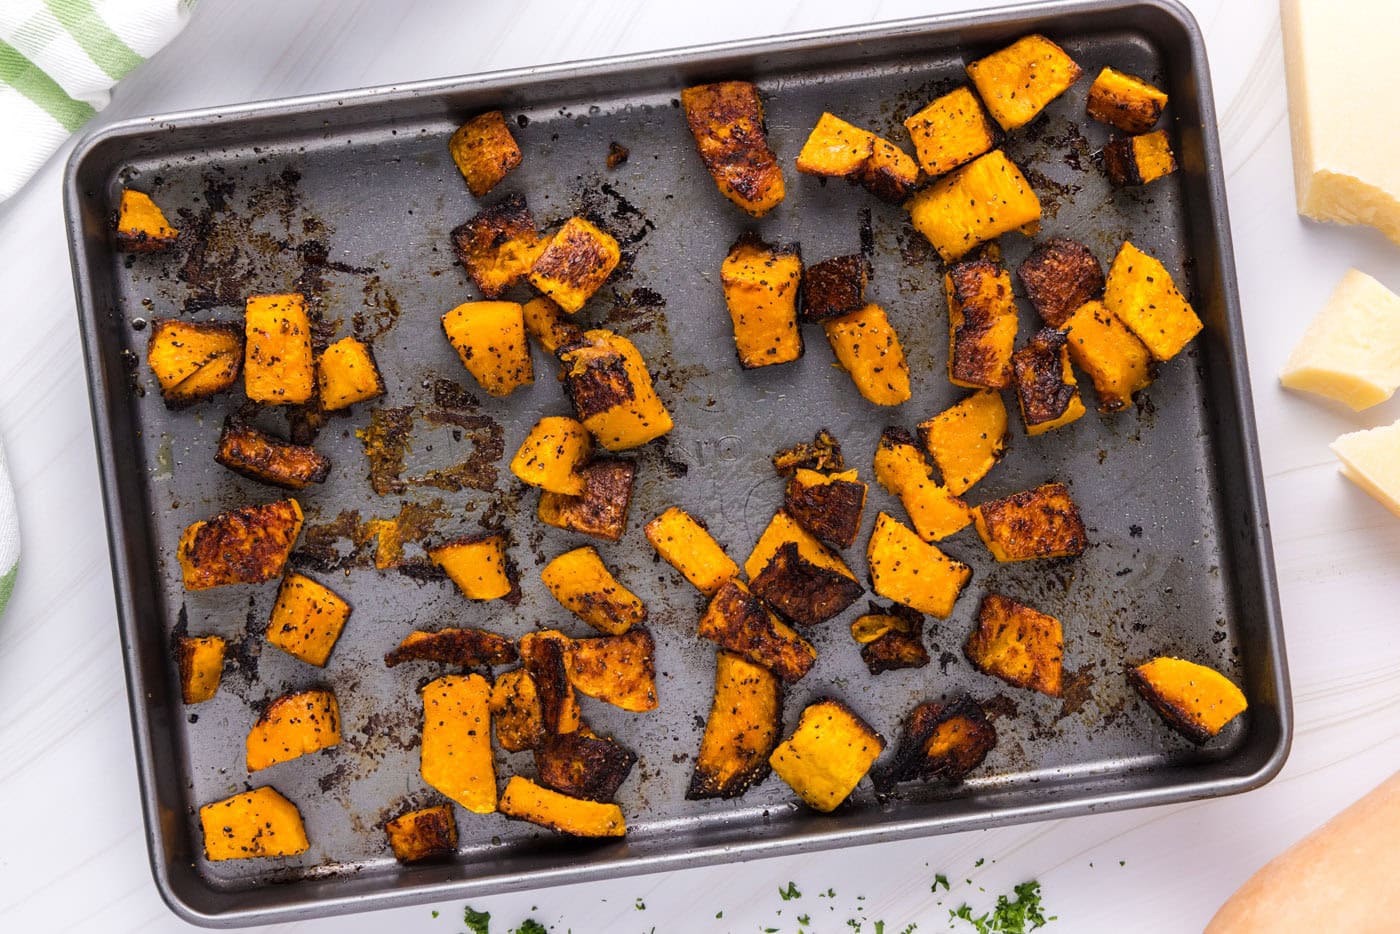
{"points": [[1008, 917], [640, 905], [790, 892], [938, 880], [879, 927], [719, 914], [909, 929], [434, 913], [978, 864], [804, 920], [531, 926], [478, 922]]}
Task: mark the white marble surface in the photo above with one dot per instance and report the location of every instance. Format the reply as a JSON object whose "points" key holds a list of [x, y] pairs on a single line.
{"points": [[72, 855]]}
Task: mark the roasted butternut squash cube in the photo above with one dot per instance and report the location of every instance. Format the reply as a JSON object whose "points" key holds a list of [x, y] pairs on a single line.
{"points": [[1021, 646], [1060, 275], [575, 263], [833, 287], [546, 323], [456, 756], [1039, 523], [607, 380], [824, 453], [760, 282], [602, 509], [1045, 383], [891, 173], [982, 324], [900, 468], [279, 367], [801, 591], [193, 360], [428, 833], [252, 823], [498, 246], [1138, 160], [515, 710], [737, 621], [490, 339], [828, 506], [781, 530], [201, 664], [726, 120], [589, 767], [966, 441], [348, 374], [293, 725], [827, 755], [951, 131], [1195, 700], [941, 742], [307, 619], [835, 148], [259, 456], [1124, 101], [141, 224], [867, 347], [1017, 82], [1141, 293], [248, 545], [583, 584], [746, 719], [552, 455], [462, 648], [477, 565], [1116, 361], [484, 150], [620, 670], [545, 654], [685, 544], [890, 639], [973, 204], [908, 570], [578, 817]]}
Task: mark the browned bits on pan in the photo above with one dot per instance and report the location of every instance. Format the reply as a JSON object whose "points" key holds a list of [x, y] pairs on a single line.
{"points": [[1060, 275], [726, 120], [498, 246], [259, 456], [833, 287], [466, 648], [617, 155], [602, 509]]}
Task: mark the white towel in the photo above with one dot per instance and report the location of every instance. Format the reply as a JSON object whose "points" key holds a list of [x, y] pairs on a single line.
{"points": [[9, 534]]}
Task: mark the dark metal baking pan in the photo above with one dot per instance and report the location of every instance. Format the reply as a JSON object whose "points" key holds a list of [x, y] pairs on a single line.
{"points": [[350, 198]]}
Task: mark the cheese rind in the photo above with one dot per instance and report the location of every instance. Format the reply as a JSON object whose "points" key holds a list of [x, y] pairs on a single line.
{"points": [[1369, 459], [1341, 112], [1351, 351]]}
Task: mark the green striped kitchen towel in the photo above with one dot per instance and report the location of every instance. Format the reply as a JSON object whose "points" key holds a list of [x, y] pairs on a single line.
{"points": [[59, 59]]}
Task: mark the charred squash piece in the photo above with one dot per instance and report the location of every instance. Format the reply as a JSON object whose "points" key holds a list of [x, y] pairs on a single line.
{"points": [[1021, 646], [477, 565], [258, 456], [546, 323], [950, 131], [941, 742], [975, 203], [193, 360], [279, 366], [746, 719], [834, 287], [428, 833], [580, 581], [908, 570], [781, 530], [1138, 160], [456, 753], [900, 468], [891, 173], [835, 149], [726, 120], [801, 591], [966, 441], [890, 639], [827, 755], [141, 224], [294, 725], [1141, 293], [1045, 383], [484, 150], [252, 823], [464, 648], [490, 339], [552, 455], [575, 263], [620, 670], [348, 374], [828, 506], [243, 546], [1017, 82], [1039, 523], [201, 664], [590, 767], [1060, 275], [737, 621], [1124, 101], [515, 711], [578, 817], [1195, 700], [824, 453], [307, 619], [498, 246], [602, 509], [685, 544], [545, 655], [760, 282], [867, 347], [1102, 346], [982, 324], [607, 380]]}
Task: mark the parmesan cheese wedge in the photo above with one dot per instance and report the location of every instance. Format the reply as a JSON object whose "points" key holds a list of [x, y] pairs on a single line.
{"points": [[1371, 460], [1342, 110], [1351, 351]]}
